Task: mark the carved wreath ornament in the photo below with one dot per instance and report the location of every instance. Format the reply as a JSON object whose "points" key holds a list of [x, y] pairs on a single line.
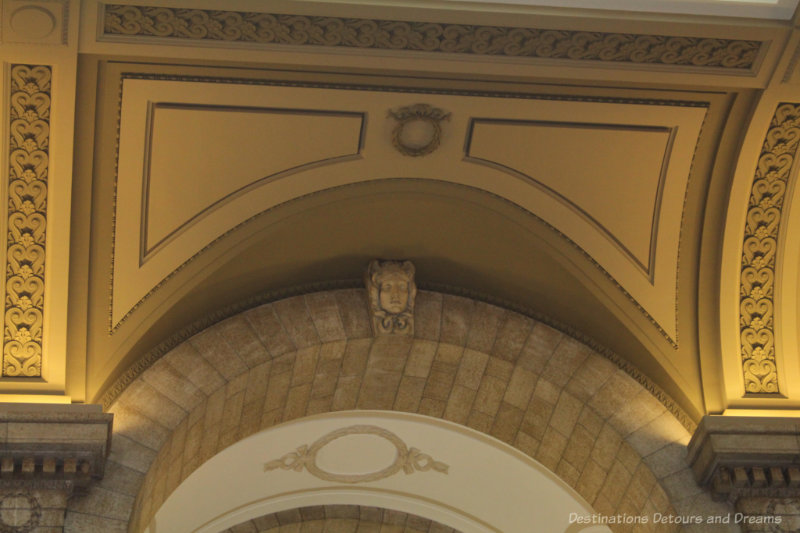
{"points": [[409, 460], [20, 512], [418, 130]]}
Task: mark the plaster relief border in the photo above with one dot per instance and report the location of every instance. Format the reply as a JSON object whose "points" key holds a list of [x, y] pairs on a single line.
{"points": [[409, 460], [29, 144], [204, 25], [760, 249]]}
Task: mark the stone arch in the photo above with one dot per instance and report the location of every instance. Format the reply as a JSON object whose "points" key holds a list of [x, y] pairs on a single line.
{"points": [[516, 379], [341, 518]]}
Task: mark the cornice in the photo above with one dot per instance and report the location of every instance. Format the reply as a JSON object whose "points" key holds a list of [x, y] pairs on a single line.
{"points": [[747, 456], [49, 447]]}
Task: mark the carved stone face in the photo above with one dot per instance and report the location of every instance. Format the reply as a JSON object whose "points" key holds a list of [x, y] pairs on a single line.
{"points": [[391, 291], [393, 295]]}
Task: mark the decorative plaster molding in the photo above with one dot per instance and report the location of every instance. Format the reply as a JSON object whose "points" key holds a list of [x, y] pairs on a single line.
{"points": [[428, 116], [27, 220], [113, 327], [153, 22], [147, 248], [760, 249], [647, 269], [791, 67], [38, 22], [409, 460]]}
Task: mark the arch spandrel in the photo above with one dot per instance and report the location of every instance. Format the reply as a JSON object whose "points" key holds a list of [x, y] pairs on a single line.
{"points": [[518, 380], [539, 275]]}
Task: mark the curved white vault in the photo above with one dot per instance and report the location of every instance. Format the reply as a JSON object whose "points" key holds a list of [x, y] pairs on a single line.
{"points": [[487, 487]]}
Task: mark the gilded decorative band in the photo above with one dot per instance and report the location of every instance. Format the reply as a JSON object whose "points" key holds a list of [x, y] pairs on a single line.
{"points": [[760, 248], [300, 30], [29, 146]]}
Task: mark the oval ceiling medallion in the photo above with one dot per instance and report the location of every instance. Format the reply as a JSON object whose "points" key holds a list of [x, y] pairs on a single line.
{"points": [[33, 22], [357, 454]]}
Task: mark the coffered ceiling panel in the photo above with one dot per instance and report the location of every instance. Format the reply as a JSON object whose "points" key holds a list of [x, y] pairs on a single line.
{"points": [[608, 175]]}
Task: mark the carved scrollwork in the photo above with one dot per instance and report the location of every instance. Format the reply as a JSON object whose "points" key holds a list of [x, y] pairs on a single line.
{"points": [[27, 220], [757, 278], [409, 460], [266, 28]]}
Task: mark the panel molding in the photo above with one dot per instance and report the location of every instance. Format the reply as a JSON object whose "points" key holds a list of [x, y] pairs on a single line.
{"points": [[146, 249], [647, 269], [666, 332]]}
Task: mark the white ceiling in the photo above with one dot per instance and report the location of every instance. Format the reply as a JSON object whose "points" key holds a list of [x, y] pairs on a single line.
{"points": [[760, 9]]}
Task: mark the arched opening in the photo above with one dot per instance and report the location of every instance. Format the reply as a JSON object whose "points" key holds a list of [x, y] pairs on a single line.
{"points": [[417, 465]]}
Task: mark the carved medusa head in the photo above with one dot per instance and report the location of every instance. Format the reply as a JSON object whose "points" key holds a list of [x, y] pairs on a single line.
{"points": [[391, 289]]}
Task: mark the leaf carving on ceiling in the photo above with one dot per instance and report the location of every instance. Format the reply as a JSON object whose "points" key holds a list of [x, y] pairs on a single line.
{"points": [[282, 29], [27, 220], [759, 250]]}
